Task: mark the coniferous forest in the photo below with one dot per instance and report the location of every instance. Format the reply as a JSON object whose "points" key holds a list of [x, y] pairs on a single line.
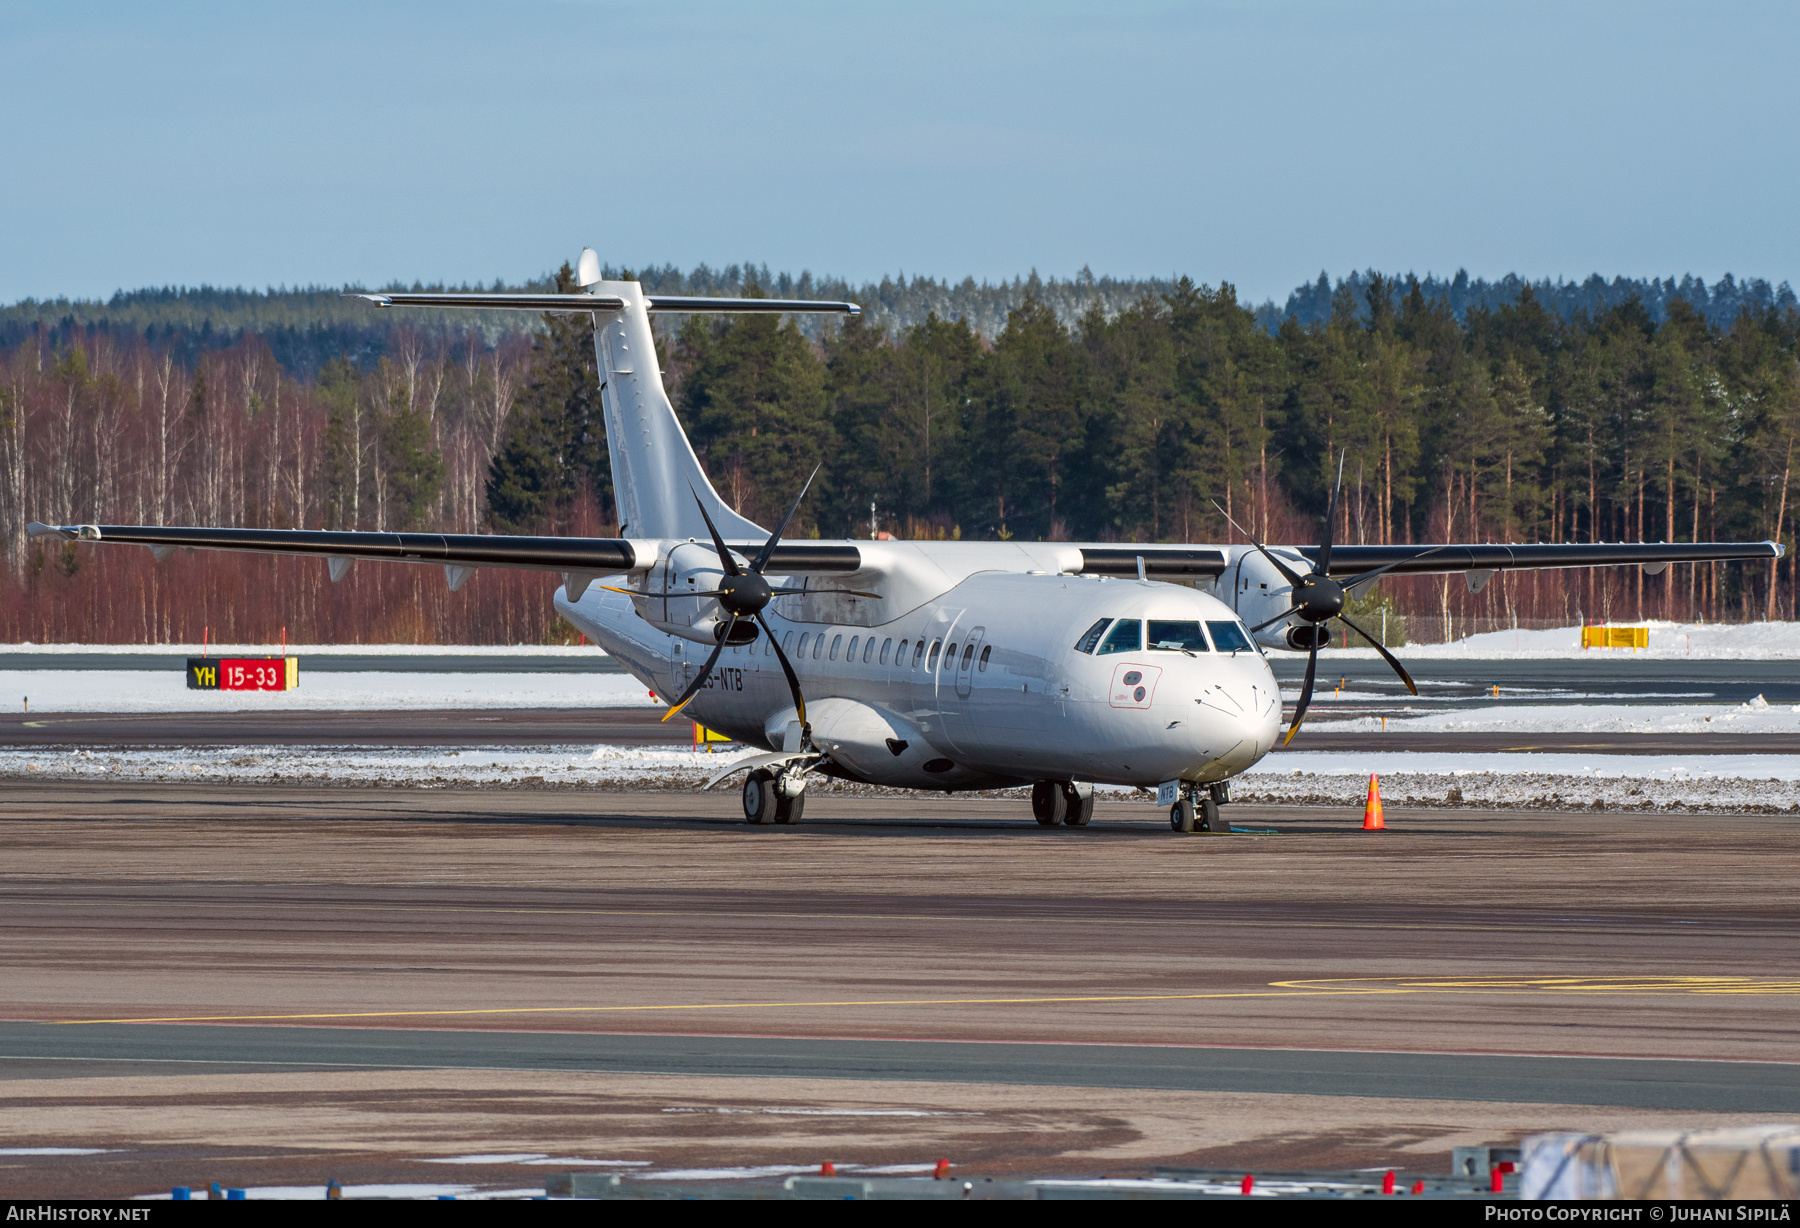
{"points": [[1086, 409]]}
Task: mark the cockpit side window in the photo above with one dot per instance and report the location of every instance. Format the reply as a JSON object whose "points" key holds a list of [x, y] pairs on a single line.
{"points": [[1127, 636], [1091, 636], [1229, 636]]}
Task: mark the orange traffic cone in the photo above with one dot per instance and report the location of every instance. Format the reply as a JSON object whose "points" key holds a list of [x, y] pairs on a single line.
{"points": [[1372, 820]]}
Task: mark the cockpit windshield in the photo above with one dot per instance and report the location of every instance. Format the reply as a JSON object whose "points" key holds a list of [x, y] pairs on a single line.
{"points": [[1229, 636], [1127, 636], [1175, 636]]}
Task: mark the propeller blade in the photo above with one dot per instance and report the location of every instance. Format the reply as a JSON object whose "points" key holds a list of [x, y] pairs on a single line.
{"points": [[629, 592], [1324, 567], [848, 592], [762, 556], [1306, 689], [793, 682], [1273, 621], [1385, 654], [729, 563], [705, 672], [1280, 566]]}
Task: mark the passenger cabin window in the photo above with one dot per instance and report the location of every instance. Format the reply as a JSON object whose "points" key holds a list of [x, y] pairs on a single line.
{"points": [[968, 653], [1230, 637], [931, 662], [1172, 636], [1091, 638], [885, 645], [1127, 636], [851, 655], [837, 642], [985, 654], [818, 645], [804, 636], [950, 656], [918, 651]]}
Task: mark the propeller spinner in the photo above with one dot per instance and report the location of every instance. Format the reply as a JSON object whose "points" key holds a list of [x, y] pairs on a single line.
{"points": [[1318, 598], [743, 594]]}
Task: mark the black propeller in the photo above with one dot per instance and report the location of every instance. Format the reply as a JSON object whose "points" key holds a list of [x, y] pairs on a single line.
{"points": [[1317, 598], [742, 594]]}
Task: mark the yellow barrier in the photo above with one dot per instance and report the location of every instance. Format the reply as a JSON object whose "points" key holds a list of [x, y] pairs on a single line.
{"points": [[1609, 636], [706, 737]]}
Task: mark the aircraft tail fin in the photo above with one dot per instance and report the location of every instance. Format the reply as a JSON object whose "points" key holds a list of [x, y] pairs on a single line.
{"points": [[655, 472]]}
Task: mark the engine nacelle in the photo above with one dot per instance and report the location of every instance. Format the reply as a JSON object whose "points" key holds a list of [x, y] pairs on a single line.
{"points": [[667, 605], [1251, 586], [1308, 636]]}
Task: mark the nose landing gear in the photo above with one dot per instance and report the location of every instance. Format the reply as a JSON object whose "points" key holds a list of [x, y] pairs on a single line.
{"points": [[1058, 802], [1195, 813]]}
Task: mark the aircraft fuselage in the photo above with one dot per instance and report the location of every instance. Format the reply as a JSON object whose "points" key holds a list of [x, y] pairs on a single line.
{"points": [[984, 685]]}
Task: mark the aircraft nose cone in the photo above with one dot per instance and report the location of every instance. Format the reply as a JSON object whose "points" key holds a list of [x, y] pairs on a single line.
{"points": [[1242, 718]]}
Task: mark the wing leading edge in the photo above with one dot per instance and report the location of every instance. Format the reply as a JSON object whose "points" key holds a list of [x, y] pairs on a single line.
{"points": [[590, 556], [1439, 559]]}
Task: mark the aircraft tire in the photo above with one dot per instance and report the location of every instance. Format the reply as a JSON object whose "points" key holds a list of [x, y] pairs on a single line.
{"points": [[1211, 820], [759, 797], [1181, 816], [789, 809], [1080, 810], [1049, 804]]}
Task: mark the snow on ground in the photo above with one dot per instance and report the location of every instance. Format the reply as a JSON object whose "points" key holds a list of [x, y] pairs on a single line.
{"points": [[1758, 783], [306, 650], [1668, 641], [1757, 716], [137, 690], [1710, 783]]}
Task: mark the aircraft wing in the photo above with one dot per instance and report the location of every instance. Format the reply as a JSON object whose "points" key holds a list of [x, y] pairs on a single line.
{"points": [[1193, 562], [1439, 559], [461, 554]]}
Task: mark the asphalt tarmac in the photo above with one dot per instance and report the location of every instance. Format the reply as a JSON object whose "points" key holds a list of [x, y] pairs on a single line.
{"points": [[57, 1051], [277, 984], [1611, 678]]}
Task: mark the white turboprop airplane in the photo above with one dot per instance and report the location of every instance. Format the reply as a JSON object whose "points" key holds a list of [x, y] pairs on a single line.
{"points": [[919, 664]]}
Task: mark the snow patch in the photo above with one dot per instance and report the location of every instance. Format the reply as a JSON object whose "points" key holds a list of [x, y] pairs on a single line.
{"points": [[1668, 641], [52, 690]]}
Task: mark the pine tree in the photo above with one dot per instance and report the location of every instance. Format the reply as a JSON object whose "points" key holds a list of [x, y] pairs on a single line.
{"points": [[555, 444]]}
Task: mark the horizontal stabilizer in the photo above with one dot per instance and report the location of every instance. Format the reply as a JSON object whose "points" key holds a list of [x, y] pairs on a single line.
{"points": [[604, 302], [501, 302], [670, 302]]}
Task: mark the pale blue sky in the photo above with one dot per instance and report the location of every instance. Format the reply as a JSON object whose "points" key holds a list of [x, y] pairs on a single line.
{"points": [[189, 142]]}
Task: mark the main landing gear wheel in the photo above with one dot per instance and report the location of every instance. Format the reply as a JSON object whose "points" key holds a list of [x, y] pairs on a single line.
{"points": [[1049, 804], [1209, 818], [1181, 816], [759, 797], [789, 809], [1080, 802]]}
